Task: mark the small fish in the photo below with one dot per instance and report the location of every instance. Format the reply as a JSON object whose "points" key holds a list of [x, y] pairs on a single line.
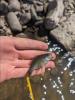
{"points": [[40, 61]]}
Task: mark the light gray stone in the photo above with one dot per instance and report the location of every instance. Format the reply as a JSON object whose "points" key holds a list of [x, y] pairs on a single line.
{"points": [[13, 22]]}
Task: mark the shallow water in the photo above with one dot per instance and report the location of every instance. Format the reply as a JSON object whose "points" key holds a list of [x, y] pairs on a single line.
{"points": [[58, 85], [54, 85]]}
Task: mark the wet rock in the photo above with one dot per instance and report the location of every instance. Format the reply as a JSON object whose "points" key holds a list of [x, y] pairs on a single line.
{"points": [[3, 8], [13, 22], [65, 33], [14, 5], [54, 14]]}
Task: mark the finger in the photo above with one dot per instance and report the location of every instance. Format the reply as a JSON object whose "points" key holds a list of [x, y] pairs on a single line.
{"points": [[19, 72], [50, 64], [30, 54], [22, 63], [24, 43]]}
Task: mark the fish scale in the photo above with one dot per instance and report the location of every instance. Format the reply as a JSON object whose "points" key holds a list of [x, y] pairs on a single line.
{"points": [[40, 61]]}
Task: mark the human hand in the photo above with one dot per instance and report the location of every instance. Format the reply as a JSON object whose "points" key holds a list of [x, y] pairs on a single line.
{"points": [[16, 55]]}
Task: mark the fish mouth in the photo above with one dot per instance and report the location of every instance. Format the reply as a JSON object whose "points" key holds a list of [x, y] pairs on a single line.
{"points": [[52, 55]]}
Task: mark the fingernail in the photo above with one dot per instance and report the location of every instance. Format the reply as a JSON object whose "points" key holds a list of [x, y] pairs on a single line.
{"points": [[45, 46]]}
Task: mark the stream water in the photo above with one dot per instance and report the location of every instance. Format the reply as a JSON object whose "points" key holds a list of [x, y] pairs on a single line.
{"points": [[58, 84]]}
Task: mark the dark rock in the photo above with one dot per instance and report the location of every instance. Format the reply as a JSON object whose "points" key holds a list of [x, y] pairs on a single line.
{"points": [[25, 17], [54, 14], [13, 22], [52, 5], [49, 24], [3, 8]]}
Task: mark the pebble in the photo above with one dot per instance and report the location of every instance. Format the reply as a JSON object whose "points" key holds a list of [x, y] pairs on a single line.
{"points": [[3, 8], [25, 18], [13, 22], [49, 24], [14, 5], [25, 7]]}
